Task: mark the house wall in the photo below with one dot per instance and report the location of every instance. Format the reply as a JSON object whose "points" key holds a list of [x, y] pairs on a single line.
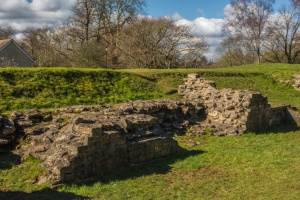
{"points": [[12, 52]]}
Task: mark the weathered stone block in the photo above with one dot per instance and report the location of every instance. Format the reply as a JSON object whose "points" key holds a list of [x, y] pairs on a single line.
{"points": [[99, 140], [8, 127]]}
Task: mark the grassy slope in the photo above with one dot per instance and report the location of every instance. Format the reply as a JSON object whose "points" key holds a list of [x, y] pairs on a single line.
{"points": [[58, 87], [264, 166], [264, 78]]}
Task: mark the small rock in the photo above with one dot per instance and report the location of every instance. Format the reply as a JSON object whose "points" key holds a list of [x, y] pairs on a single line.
{"points": [[4, 142], [39, 149], [47, 118], [192, 143], [8, 127], [226, 114], [214, 114], [40, 130]]}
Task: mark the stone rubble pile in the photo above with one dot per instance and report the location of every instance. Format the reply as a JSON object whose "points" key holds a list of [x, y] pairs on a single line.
{"points": [[297, 82], [93, 142], [17, 124], [87, 141], [7, 131], [230, 112]]}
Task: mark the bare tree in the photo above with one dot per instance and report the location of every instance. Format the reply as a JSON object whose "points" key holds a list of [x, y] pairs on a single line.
{"points": [[232, 53], [6, 33], [284, 35], [159, 43], [82, 22], [193, 52], [100, 21], [295, 2], [117, 13], [247, 19], [43, 46]]}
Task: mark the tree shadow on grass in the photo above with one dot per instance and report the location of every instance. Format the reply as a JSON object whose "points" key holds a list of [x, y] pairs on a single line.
{"points": [[46, 194], [286, 128], [8, 160], [159, 166]]}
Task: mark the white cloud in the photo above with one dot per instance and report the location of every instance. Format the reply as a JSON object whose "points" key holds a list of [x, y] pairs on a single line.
{"points": [[211, 29], [203, 26], [20, 14], [176, 16], [201, 12], [19, 37]]}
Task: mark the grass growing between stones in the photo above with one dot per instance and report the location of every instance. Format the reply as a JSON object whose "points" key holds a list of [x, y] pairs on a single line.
{"points": [[252, 166]]}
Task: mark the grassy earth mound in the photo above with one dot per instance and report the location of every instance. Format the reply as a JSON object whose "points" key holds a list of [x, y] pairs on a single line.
{"points": [[253, 166], [41, 88]]}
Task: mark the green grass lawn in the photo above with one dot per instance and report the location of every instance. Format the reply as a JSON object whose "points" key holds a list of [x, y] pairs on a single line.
{"points": [[264, 78], [252, 166]]}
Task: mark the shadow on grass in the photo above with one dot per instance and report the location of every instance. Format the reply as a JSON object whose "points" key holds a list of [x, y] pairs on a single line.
{"points": [[160, 166], [40, 195], [8, 160], [287, 128]]}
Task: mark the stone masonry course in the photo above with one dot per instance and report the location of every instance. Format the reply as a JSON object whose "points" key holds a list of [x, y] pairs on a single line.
{"points": [[86, 141]]}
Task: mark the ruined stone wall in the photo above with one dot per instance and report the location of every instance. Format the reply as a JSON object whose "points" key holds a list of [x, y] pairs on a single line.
{"points": [[297, 82], [83, 142], [230, 112], [7, 131], [86, 141]]}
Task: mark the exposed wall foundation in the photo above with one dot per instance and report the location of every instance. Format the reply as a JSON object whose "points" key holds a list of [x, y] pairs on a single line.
{"points": [[81, 142]]}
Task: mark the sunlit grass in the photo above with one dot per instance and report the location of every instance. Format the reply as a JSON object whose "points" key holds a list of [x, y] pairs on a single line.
{"points": [[263, 166], [22, 89], [252, 166]]}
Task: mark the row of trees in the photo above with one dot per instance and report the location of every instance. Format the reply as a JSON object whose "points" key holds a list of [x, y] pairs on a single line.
{"points": [[254, 34], [113, 34]]}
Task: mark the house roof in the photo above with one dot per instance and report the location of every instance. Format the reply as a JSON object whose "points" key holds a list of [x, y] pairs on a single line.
{"points": [[4, 43]]}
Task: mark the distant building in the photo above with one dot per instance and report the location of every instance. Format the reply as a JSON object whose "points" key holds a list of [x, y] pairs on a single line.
{"points": [[12, 55]]}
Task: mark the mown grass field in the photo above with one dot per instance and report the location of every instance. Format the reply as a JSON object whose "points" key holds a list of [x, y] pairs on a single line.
{"points": [[253, 166]]}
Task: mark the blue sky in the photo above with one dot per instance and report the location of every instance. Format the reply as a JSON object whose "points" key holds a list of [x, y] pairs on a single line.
{"points": [[204, 17], [191, 9]]}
